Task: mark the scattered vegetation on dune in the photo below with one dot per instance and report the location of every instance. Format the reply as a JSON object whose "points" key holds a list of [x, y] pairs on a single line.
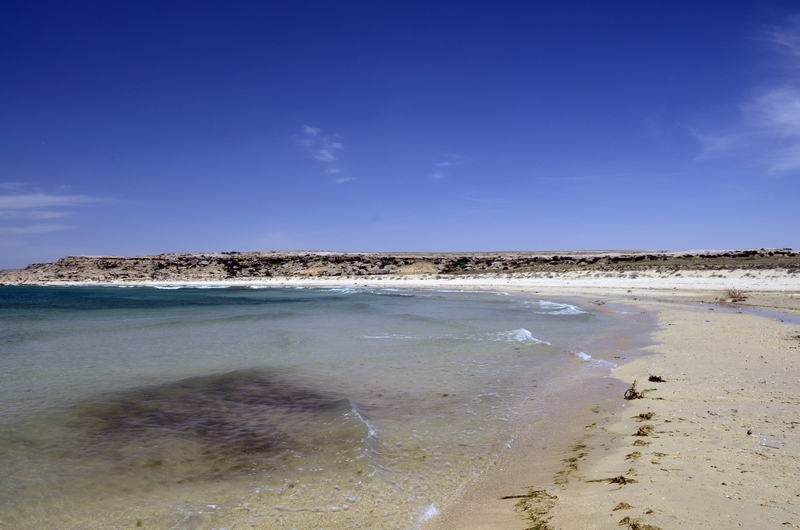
{"points": [[735, 295]]}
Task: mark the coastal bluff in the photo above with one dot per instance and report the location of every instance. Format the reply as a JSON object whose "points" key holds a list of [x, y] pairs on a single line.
{"points": [[282, 264]]}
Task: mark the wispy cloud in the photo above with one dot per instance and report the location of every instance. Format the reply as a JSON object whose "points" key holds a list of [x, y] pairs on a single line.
{"points": [[43, 200], [18, 209], [768, 133], [323, 148], [31, 214], [33, 229], [10, 186], [448, 161], [785, 40], [499, 201]]}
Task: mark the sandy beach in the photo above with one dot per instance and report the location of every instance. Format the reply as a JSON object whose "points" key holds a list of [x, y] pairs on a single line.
{"points": [[716, 445], [712, 440]]}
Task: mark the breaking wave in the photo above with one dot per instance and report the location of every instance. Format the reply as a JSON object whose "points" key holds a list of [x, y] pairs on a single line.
{"points": [[516, 335], [554, 308]]}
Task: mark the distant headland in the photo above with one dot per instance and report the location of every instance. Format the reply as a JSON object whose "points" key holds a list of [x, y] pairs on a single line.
{"points": [[218, 266]]}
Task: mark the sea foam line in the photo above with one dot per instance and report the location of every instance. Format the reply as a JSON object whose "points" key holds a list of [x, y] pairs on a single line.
{"points": [[429, 512], [517, 335], [554, 308], [371, 441], [598, 362]]}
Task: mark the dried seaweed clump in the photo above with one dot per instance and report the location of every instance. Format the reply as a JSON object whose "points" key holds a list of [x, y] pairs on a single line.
{"points": [[622, 480], [644, 430], [632, 393], [636, 524], [535, 506]]}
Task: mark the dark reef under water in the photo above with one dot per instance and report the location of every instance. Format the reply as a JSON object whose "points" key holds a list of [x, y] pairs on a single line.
{"points": [[217, 425]]}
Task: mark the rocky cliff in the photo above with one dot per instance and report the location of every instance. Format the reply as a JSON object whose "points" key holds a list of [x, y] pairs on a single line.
{"points": [[254, 265]]}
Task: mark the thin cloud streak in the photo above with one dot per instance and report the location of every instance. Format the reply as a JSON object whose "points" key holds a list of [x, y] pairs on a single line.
{"points": [[499, 201], [8, 186], [31, 214], [34, 229], [43, 200], [637, 177], [452, 160], [17, 208]]}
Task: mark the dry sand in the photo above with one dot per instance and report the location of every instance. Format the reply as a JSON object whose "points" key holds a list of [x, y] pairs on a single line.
{"points": [[706, 454]]}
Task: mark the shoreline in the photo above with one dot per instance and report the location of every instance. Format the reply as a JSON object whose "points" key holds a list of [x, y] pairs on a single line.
{"points": [[705, 455], [728, 369]]}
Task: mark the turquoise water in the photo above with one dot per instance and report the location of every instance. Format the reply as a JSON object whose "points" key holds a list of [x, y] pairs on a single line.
{"points": [[270, 408]]}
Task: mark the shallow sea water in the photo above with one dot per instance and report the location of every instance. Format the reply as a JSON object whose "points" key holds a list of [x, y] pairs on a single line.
{"points": [[268, 408]]}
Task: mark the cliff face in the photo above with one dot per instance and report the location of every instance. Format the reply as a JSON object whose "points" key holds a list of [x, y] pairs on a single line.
{"points": [[253, 265]]}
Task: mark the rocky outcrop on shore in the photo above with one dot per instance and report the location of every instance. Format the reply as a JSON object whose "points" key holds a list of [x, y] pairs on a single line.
{"points": [[255, 265]]}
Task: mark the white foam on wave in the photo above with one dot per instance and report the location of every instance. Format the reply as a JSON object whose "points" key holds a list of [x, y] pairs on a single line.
{"points": [[388, 336], [371, 442], [174, 287], [598, 362], [345, 290], [554, 308], [517, 335], [429, 512], [368, 290], [371, 432], [389, 290]]}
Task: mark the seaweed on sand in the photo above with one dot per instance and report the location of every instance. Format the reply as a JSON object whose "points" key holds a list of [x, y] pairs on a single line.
{"points": [[622, 480], [636, 524], [632, 393], [644, 430], [535, 506]]}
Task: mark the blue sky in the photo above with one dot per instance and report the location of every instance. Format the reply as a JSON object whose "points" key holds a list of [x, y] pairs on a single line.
{"points": [[144, 127]]}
